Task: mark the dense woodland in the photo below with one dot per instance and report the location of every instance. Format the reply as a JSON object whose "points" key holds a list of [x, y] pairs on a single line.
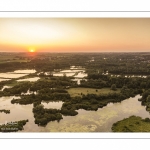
{"points": [[115, 63]]}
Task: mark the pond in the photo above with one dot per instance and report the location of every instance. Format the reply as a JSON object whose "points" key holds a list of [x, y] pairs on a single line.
{"points": [[77, 67], [56, 105], [29, 79], [18, 112], [62, 74], [81, 75], [4, 80], [72, 71], [15, 74], [76, 71], [85, 121], [98, 121], [11, 75], [25, 71]]}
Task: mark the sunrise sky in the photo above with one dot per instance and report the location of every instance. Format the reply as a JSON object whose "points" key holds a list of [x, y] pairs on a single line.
{"points": [[74, 34]]}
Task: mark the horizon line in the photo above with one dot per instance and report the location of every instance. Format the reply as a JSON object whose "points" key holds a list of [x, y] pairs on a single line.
{"points": [[76, 52]]}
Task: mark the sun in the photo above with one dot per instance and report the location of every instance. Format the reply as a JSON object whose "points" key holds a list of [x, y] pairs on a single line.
{"points": [[31, 50]]}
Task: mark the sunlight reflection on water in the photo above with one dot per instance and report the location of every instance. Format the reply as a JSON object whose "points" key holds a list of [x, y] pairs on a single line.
{"points": [[85, 121]]}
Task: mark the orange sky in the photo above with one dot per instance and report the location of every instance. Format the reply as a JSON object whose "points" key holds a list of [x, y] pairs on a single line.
{"points": [[74, 34]]}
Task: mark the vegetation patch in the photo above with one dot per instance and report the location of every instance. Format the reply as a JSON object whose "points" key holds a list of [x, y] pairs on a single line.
{"points": [[79, 91], [132, 124], [5, 111], [146, 99], [13, 126], [16, 90], [43, 116]]}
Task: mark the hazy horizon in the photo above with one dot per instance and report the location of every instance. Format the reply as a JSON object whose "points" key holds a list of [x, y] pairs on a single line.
{"points": [[77, 52], [75, 35]]}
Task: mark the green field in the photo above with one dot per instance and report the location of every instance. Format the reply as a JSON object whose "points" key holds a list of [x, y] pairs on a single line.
{"points": [[13, 83], [18, 60], [132, 124], [77, 91], [10, 57]]}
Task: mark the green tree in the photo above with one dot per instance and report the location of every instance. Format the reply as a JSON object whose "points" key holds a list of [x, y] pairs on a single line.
{"points": [[148, 98], [113, 87]]}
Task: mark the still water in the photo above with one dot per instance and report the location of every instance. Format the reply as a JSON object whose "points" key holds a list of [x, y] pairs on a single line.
{"points": [[62, 74], [29, 79], [85, 121], [16, 74], [25, 71], [81, 75], [72, 70], [101, 120], [18, 112], [11, 75], [56, 105], [4, 79]]}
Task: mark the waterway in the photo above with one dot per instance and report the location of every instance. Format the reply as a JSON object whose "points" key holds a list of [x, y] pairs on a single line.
{"points": [[86, 121]]}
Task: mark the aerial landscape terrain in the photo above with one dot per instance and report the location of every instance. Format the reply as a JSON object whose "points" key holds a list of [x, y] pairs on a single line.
{"points": [[74, 75]]}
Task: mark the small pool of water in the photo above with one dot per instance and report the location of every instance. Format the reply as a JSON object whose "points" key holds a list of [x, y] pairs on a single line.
{"points": [[72, 70], [76, 67], [81, 75], [25, 71], [29, 79], [56, 105], [62, 74], [11, 75], [4, 79]]}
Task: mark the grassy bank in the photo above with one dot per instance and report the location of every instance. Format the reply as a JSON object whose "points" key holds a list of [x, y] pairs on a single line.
{"points": [[77, 91], [132, 124]]}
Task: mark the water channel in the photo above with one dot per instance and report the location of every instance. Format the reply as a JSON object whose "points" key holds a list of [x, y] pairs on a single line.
{"points": [[85, 121]]}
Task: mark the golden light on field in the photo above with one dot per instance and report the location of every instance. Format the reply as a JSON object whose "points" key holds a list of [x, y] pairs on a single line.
{"points": [[74, 34]]}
